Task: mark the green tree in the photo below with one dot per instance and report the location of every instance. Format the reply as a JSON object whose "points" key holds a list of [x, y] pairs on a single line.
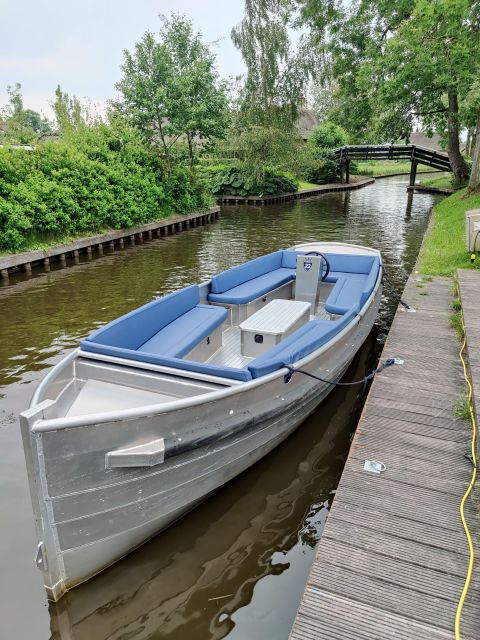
{"points": [[22, 126], [329, 136], [393, 64], [277, 73], [426, 68], [471, 110], [170, 89], [68, 112]]}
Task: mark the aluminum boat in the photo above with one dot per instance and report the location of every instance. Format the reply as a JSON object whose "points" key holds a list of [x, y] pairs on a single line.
{"points": [[161, 407]]}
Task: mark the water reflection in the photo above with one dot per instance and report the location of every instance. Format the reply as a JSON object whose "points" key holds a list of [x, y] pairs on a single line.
{"points": [[251, 539]]}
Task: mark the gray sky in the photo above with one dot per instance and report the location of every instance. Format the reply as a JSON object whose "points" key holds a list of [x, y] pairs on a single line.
{"points": [[79, 44]]}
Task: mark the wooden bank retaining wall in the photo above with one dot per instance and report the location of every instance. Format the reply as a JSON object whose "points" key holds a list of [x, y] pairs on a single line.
{"points": [[110, 241], [289, 197]]}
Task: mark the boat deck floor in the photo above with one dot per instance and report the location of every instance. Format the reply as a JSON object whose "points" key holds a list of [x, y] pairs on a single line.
{"points": [[393, 557], [229, 354]]}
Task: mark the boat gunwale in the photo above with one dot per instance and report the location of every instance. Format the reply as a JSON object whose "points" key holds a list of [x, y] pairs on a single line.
{"points": [[54, 424]]}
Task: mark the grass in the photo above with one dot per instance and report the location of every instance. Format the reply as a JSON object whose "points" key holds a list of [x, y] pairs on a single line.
{"points": [[386, 167], [444, 182], [42, 243], [306, 185], [462, 407], [444, 247]]}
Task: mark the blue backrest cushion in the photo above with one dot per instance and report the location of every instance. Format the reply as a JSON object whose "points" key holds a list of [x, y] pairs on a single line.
{"points": [[135, 328], [245, 272], [305, 340], [350, 263], [370, 281], [289, 258], [338, 262]]}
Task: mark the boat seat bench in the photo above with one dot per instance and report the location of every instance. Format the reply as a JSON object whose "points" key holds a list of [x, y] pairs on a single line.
{"points": [[354, 278], [170, 326], [252, 280], [162, 332]]}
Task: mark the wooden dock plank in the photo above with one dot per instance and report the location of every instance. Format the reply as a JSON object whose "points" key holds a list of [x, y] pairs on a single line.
{"points": [[393, 556]]}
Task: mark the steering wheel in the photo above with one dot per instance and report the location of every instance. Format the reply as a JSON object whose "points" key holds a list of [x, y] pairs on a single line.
{"points": [[324, 260]]}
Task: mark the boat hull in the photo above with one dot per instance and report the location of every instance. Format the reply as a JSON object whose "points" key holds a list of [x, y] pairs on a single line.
{"points": [[88, 517]]}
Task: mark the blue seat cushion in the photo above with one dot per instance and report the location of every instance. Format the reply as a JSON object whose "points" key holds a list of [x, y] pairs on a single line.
{"points": [[135, 328], [180, 336], [242, 374], [299, 344], [254, 288], [351, 290], [345, 295]]}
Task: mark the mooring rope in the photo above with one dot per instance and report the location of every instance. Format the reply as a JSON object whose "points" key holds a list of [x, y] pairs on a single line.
{"points": [[291, 370], [393, 290]]}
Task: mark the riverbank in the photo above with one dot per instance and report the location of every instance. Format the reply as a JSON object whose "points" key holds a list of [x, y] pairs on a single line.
{"points": [[112, 240], [333, 187], [288, 493], [378, 168], [444, 249]]}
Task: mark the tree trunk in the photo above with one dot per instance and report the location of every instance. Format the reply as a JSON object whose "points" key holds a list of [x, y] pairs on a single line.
{"points": [[468, 152], [190, 150], [474, 182], [164, 143], [459, 166]]}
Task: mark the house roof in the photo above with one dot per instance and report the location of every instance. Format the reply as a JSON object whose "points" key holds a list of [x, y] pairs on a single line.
{"points": [[420, 139], [306, 123]]}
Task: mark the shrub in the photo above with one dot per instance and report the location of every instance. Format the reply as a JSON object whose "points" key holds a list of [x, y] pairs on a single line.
{"points": [[318, 166], [102, 176], [241, 180], [329, 136]]}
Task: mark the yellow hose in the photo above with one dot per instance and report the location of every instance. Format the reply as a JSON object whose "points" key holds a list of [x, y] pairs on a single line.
{"points": [[467, 493]]}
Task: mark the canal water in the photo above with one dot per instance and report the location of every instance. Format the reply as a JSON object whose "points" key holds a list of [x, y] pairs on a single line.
{"points": [[236, 566]]}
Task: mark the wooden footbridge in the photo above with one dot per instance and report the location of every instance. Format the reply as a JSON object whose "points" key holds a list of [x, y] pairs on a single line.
{"points": [[416, 155]]}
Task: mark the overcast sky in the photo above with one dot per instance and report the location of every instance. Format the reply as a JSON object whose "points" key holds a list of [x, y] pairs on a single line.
{"points": [[79, 44]]}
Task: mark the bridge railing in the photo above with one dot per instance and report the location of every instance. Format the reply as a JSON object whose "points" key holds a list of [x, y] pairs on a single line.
{"points": [[422, 155], [416, 155]]}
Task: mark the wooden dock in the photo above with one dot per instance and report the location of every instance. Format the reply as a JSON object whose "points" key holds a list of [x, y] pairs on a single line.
{"points": [[469, 287], [393, 556]]}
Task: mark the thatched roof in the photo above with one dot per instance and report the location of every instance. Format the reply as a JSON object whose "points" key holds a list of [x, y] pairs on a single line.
{"points": [[306, 123], [420, 139]]}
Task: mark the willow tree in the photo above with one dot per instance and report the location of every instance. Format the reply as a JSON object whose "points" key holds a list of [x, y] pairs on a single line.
{"points": [[275, 83], [273, 90]]}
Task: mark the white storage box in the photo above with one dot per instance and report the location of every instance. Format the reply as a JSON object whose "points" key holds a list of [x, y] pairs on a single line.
{"points": [[271, 324]]}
